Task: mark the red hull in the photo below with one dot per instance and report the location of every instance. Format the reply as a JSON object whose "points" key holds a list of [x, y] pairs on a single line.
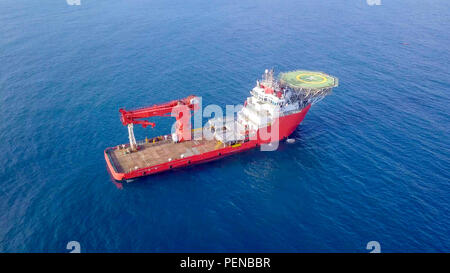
{"points": [[286, 125]]}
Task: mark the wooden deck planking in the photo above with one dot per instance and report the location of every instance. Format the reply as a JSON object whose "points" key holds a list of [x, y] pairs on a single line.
{"points": [[152, 154]]}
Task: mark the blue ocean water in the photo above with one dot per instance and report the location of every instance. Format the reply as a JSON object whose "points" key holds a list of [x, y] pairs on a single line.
{"points": [[370, 162]]}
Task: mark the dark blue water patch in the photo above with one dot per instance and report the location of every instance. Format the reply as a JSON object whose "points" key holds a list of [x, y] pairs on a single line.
{"points": [[370, 162]]}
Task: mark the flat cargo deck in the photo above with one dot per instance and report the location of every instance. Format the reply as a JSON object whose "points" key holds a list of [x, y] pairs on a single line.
{"points": [[151, 154]]}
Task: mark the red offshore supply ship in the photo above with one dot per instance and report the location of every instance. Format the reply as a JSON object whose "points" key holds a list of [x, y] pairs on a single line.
{"points": [[273, 111]]}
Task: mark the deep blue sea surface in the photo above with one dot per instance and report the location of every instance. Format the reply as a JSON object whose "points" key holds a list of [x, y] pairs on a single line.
{"points": [[371, 162]]}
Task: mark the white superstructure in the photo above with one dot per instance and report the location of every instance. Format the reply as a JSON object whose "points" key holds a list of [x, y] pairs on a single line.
{"points": [[267, 102]]}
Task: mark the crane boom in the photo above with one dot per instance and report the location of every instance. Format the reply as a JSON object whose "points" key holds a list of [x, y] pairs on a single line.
{"points": [[180, 109]]}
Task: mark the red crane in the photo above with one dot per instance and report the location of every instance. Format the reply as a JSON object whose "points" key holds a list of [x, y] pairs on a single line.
{"points": [[180, 109]]}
